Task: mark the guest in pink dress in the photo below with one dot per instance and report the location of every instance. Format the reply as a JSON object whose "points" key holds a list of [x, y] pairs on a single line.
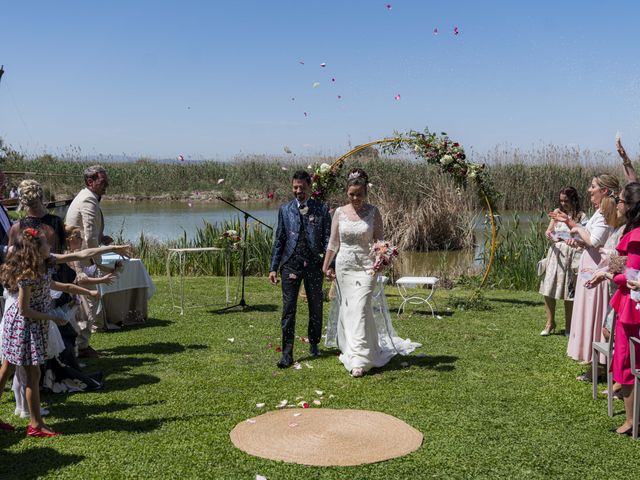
{"points": [[590, 304], [628, 315]]}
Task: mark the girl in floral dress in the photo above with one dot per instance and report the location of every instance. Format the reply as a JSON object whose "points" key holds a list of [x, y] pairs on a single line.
{"points": [[27, 273]]}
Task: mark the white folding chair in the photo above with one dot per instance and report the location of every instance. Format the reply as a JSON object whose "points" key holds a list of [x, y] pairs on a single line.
{"points": [[606, 349], [633, 343]]}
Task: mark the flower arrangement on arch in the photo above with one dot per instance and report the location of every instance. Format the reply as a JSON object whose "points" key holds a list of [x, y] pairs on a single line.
{"points": [[441, 151], [324, 180], [384, 254], [230, 241]]}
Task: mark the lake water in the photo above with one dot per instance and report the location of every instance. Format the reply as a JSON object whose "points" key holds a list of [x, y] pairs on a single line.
{"points": [[169, 220]]}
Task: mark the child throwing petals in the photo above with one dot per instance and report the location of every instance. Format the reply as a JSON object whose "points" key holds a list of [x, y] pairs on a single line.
{"points": [[27, 273]]}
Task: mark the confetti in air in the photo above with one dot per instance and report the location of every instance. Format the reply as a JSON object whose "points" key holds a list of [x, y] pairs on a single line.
{"points": [[456, 31], [397, 97], [293, 99], [323, 64], [435, 31], [301, 62], [333, 79], [305, 114], [339, 97], [389, 7], [287, 149], [315, 84], [181, 158]]}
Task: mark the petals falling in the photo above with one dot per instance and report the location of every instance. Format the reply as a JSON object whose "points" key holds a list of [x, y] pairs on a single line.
{"points": [[315, 84], [389, 7], [397, 97], [181, 158], [323, 64], [435, 31], [456, 31], [220, 180]]}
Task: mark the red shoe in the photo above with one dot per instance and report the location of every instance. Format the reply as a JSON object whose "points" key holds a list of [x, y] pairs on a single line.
{"points": [[6, 426], [36, 432]]}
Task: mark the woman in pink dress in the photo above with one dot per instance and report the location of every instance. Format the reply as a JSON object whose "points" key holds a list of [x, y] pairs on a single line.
{"points": [[628, 320], [590, 304]]}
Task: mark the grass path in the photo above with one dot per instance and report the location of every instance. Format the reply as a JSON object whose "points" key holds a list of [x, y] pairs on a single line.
{"points": [[492, 398]]}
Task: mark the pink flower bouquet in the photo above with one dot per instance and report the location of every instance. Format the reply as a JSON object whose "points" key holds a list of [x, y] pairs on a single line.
{"points": [[384, 253]]}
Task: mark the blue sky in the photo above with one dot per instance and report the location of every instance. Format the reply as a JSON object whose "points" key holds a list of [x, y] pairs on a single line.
{"points": [[211, 79]]}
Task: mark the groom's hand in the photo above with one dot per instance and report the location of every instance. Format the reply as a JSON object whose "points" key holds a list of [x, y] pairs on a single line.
{"points": [[330, 274], [273, 278]]}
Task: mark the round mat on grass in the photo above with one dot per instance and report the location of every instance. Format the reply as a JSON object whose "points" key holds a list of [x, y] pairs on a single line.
{"points": [[326, 437]]}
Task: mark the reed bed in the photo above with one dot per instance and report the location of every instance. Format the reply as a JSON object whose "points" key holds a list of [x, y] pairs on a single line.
{"points": [[528, 180]]}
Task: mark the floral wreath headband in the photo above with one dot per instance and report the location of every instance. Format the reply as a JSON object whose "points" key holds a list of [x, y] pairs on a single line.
{"points": [[353, 176]]}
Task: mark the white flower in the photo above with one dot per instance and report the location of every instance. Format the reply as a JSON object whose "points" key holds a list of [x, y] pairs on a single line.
{"points": [[446, 160], [325, 167], [232, 232]]}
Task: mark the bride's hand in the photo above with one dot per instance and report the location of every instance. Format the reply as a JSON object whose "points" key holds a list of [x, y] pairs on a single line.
{"points": [[330, 274]]}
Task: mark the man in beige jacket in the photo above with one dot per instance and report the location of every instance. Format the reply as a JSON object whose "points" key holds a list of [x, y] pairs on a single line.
{"points": [[85, 213]]}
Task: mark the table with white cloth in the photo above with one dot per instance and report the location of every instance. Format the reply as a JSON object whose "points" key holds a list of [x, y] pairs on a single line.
{"points": [[125, 300]]}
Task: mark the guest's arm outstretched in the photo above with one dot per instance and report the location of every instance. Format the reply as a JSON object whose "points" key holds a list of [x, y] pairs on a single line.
{"points": [[629, 171]]}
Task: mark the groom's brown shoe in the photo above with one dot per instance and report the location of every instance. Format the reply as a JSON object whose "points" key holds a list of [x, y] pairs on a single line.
{"points": [[285, 361]]}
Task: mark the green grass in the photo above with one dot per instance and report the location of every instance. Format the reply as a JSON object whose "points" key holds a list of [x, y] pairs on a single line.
{"points": [[492, 398]]}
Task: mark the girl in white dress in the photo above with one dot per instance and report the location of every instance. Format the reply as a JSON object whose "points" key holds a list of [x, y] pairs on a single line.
{"points": [[359, 319]]}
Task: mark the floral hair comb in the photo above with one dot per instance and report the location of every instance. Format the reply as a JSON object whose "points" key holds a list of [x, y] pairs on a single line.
{"points": [[31, 232]]}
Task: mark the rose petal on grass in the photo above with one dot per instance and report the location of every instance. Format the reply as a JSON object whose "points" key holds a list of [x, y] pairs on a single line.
{"points": [[303, 404], [297, 366], [308, 365], [297, 414], [260, 405], [260, 477], [251, 420], [282, 404], [231, 339], [220, 180], [317, 402], [319, 392]]}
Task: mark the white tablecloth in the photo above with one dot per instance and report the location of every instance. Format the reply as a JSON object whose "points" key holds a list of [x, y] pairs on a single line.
{"points": [[133, 275]]}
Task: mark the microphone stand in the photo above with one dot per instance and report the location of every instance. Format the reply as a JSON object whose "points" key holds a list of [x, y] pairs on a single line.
{"points": [[242, 303]]}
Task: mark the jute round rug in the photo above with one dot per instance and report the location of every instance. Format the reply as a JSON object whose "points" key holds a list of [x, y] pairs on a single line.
{"points": [[326, 437]]}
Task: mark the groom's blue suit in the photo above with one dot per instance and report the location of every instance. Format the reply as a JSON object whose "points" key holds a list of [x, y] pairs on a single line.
{"points": [[300, 242]]}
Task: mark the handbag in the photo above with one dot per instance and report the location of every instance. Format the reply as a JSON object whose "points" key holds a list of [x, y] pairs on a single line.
{"points": [[542, 266]]}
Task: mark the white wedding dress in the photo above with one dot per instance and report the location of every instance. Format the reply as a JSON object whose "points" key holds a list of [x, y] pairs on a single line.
{"points": [[359, 320]]}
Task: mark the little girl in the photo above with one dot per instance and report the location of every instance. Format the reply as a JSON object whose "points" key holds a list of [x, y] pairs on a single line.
{"points": [[28, 271]]}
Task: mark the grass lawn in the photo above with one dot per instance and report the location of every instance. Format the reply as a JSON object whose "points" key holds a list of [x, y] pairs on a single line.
{"points": [[492, 398]]}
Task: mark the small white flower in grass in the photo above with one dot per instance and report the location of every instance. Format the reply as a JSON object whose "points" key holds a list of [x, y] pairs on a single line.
{"points": [[260, 405]]}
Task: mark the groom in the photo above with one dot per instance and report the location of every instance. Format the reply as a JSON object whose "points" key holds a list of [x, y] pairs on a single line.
{"points": [[301, 239]]}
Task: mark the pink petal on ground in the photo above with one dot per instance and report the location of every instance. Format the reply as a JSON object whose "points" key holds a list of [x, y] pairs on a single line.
{"points": [[293, 424], [317, 402]]}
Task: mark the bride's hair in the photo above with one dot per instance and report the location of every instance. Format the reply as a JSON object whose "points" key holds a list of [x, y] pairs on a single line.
{"points": [[358, 178]]}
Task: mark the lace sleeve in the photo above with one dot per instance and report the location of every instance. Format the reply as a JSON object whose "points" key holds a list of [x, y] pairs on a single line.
{"points": [[334, 239], [378, 227]]}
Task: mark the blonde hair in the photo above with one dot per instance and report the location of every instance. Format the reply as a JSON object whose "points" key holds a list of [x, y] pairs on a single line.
{"points": [[608, 181], [609, 210], [30, 193]]}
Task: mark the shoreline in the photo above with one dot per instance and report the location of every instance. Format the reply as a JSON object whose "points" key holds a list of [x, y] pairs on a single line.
{"points": [[198, 196]]}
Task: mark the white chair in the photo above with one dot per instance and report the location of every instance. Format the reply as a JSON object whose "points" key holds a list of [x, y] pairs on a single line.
{"points": [[414, 298], [633, 343], [606, 349]]}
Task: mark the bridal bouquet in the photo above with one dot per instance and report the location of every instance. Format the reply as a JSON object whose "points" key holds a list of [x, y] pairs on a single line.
{"points": [[384, 253]]}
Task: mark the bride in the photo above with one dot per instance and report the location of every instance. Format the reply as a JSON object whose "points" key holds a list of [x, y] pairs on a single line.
{"points": [[359, 320]]}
